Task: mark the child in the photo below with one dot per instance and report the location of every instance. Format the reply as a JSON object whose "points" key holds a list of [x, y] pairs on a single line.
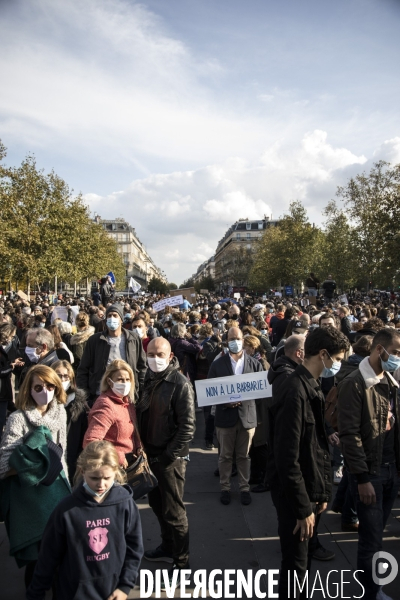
{"points": [[94, 536]]}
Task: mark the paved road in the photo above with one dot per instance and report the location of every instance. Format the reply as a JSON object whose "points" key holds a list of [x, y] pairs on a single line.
{"points": [[234, 536]]}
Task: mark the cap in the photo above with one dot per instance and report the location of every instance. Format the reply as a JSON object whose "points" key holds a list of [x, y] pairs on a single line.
{"points": [[300, 327], [115, 308]]}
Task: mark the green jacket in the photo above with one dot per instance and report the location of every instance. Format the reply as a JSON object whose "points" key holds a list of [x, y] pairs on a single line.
{"points": [[25, 504]]}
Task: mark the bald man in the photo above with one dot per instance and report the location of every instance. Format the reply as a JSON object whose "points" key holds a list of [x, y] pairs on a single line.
{"points": [[166, 417]]}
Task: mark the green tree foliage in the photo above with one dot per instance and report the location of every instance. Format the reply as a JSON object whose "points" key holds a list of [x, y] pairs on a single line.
{"points": [[372, 201], [287, 253], [157, 285], [206, 283], [172, 286], [187, 283], [48, 232]]}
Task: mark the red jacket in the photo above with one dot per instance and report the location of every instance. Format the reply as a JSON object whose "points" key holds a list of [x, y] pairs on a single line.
{"points": [[112, 419]]}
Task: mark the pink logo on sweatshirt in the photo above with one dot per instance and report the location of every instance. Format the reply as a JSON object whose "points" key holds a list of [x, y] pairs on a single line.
{"points": [[98, 539]]}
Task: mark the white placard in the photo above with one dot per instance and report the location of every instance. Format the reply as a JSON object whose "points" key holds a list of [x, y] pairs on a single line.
{"points": [[344, 299], [59, 312], [174, 301], [237, 388], [236, 295], [278, 294]]}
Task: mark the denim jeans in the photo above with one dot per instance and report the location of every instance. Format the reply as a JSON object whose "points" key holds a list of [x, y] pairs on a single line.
{"points": [[372, 520], [312, 292], [344, 499], [166, 501]]}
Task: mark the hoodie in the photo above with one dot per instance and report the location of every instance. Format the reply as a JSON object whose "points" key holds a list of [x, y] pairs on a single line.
{"points": [[97, 547]]}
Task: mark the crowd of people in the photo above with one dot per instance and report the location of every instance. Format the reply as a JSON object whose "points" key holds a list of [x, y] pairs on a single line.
{"points": [[82, 397]]}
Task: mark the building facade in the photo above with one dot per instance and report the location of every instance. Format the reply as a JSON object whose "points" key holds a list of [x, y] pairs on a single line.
{"points": [[138, 263], [234, 253], [206, 269]]}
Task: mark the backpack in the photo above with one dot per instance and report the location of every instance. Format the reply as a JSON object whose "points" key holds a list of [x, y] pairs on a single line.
{"points": [[331, 408]]}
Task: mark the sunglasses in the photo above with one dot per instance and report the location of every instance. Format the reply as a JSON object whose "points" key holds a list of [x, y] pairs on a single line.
{"points": [[39, 388]]}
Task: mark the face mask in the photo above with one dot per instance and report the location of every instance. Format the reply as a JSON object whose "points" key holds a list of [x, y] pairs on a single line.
{"points": [[121, 389], [140, 332], [253, 323], [332, 371], [235, 346], [174, 322], [31, 354], [113, 323], [6, 347], [234, 317], [156, 364], [66, 385], [95, 494], [263, 331], [206, 308], [166, 330], [42, 398], [127, 316], [392, 363], [42, 324]]}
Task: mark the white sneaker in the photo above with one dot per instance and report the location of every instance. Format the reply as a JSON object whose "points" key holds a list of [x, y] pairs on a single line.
{"points": [[337, 478], [382, 596]]}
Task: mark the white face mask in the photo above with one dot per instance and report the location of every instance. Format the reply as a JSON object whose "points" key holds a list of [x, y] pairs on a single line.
{"points": [[42, 398], [66, 385], [121, 389], [157, 364], [31, 354], [140, 332]]}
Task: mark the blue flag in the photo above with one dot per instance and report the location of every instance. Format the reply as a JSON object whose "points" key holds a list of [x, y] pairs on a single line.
{"points": [[112, 277]]}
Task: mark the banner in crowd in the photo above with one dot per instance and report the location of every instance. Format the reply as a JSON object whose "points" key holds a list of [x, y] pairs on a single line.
{"points": [[237, 388], [134, 285], [175, 301]]}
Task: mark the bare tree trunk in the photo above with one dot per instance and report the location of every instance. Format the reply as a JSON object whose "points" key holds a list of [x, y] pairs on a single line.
{"points": [[55, 284], [29, 287], [75, 288]]}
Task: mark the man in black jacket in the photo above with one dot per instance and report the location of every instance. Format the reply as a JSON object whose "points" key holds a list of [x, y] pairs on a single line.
{"points": [[301, 453], [111, 344], [235, 422], [329, 287], [166, 418]]}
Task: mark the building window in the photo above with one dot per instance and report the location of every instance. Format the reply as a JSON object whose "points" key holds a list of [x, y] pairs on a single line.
{"points": [[260, 225], [248, 246], [248, 225], [248, 235], [238, 236]]}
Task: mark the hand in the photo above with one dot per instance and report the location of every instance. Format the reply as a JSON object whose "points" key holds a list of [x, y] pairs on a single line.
{"points": [[306, 527], [321, 507], [334, 439], [125, 464], [118, 595], [367, 493]]}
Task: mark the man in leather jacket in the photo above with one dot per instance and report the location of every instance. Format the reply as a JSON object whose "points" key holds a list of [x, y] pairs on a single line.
{"points": [[166, 418]]}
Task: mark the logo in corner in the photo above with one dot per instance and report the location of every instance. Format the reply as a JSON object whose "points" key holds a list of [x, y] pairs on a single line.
{"points": [[384, 568]]}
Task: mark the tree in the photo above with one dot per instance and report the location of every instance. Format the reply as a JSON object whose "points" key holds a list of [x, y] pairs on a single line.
{"points": [[172, 286], [187, 283], [157, 285], [339, 252], [47, 232], [206, 283], [287, 253], [372, 201]]}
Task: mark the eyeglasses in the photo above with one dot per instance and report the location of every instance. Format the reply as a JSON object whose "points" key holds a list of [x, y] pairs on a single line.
{"points": [[64, 377], [49, 386]]}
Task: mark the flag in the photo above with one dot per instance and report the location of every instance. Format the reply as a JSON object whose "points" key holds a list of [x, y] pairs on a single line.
{"points": [[134, 285], [112, 277]]}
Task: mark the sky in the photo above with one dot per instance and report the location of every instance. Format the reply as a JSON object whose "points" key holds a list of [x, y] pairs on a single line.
{"points": [[182, 116]]}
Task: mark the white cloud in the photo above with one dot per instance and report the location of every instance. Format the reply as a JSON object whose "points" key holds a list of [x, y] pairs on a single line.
{"points": [[182, 215]]}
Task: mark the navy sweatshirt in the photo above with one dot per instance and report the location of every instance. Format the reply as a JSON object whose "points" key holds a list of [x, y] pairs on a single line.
{"points": [[97, 547]]}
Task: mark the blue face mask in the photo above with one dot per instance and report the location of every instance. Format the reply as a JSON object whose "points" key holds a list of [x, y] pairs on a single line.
{"points": [[166, 330], [333, 370], [235, 346], [263, 331], [95, 494], [392, 363], [113, 323]]}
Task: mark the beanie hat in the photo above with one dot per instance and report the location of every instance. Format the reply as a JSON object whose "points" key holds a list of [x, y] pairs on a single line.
{"points": [[117, 308]]}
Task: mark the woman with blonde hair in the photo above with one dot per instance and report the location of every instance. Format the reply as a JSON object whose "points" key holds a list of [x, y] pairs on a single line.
{"points": [[79, 339], [32, 482], [113, 416]]}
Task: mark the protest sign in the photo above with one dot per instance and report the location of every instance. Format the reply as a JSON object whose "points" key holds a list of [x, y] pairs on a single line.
{"points": [[343, 299], [22, 295], [176, 301], [59, 312], [237, 388]]}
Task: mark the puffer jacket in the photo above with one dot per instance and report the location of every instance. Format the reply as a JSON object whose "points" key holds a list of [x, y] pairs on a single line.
{"points": [[362, 417]]}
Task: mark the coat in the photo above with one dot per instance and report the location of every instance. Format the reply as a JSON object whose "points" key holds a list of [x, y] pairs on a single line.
{"points": [[186, 352], [95, 357], [26, 504], [225, 414]]}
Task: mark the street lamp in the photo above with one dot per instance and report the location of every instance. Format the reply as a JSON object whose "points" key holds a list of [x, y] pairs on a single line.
{"points": [[9, 267]]}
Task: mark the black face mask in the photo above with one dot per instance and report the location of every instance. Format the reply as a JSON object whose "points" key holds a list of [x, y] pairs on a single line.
{"points": [[234, 317]]}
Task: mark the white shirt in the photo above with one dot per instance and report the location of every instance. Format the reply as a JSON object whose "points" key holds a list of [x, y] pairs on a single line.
{"points": [[237, 366]]}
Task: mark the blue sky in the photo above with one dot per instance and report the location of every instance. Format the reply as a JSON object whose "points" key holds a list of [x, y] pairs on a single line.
{"points": [[183, 116]]}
